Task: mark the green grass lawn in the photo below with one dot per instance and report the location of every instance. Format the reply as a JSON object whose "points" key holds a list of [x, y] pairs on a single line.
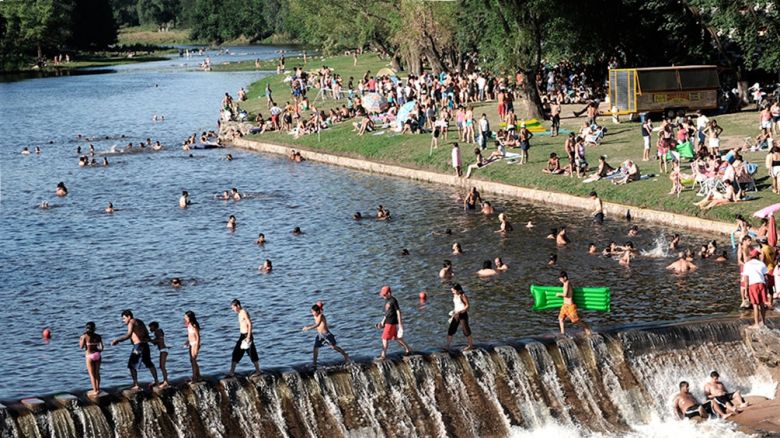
{"points": [[152, 37], [622, 142]]}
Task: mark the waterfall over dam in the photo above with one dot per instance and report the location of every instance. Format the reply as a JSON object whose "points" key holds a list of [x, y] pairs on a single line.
{"points": [[610, 382]]}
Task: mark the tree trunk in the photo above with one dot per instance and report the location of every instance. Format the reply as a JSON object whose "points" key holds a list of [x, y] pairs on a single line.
{"points": [[395, 62], [40, 51], [531, 104], [433, 59]]}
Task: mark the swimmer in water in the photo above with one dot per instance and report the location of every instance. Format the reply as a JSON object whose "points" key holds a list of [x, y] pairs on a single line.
{"points": [[681, 265], [25, 151], [224, 196], [592, 248], [37, 150], [105, 161], [633, 231], [553, 233], [674, 245], [505, 226], [231, 223], [628, 250], [110, 208], [487, 269], [44, 205], [404, 252], [448, 232], [229, 157], [703, 253], [446, 271], [561, 239], [553, 260], [184, 199], [472, 199], [487, 209], [260, 239], [382, 213], [235, 194], [297, 231], [357, 216], [176, 282], [266, 267], [723, 257], [529, 225], [456, 249], [610, 250], [61, 190], [500, 265]]}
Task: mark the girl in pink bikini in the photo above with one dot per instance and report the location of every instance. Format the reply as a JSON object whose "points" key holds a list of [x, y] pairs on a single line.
{"points": [[93, 344]]}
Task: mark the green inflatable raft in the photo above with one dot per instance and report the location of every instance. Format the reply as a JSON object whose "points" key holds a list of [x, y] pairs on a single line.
{"points": [[586, 298]]}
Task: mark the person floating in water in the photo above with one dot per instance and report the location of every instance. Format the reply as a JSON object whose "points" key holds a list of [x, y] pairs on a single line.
{"points": [[61, 190], [110, 208], [569, 309], [184, 199], [260, 239], [245, 342], [235, 195], [681, 265], [446, 271], [231, 223], [324, 336], [266, 267], [297, 231], [487, 269], [92, 344]]}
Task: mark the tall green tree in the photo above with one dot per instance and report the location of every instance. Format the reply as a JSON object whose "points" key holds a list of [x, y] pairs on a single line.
{"points": [[157, 12], [125, 12], [45, 24], [93, 24]]}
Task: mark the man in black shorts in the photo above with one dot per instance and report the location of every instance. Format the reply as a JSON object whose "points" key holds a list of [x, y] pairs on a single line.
{"points": [[726, 402], [139, 335], [685, 405], [245, 341]]}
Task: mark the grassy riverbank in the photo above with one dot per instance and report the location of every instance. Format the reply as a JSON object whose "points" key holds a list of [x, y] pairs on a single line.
{"points": [[150, 36], [622, 142]]}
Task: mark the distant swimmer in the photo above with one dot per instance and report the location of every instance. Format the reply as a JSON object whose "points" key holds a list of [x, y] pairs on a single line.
{"points": [[459, 316], [105, 162], [184, 199], [633, 231], [37, 150], [382, 213], [357, 216], [231, 223], [25, 151], [229, 157], [193, 343], [297, 231], [456, 249], [487, 269], [505, 227], [611, 250], [176, 282], [500, 265], [92, 344], [569, 309], [628, 254], [681, 265], [159, 341], [723, 257], [592, 248], [44, 205], [235, 195], [109, 208], [405, 252], [685, 405], [266, 267], [260, 239], [61, 190], [446, 272], [472, 199], [324, 336], [552, 234], [246, 340], [552, 260], [562, 238], [674, 245], [487, 209]]}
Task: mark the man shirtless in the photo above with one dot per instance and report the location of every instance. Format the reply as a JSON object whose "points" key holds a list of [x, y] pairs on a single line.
{"points": [[685, 404], [598, 208], [139, 336], [245, 340], [716, 392], [569, 309], [324, 336], [682, 265]]}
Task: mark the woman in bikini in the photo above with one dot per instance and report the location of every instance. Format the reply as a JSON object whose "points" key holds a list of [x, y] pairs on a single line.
{"points": [[92, 343], [193, 342]]}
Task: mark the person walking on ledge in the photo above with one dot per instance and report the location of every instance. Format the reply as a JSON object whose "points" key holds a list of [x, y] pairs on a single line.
{"points": [[569, 309], [324, 336], [139, 336], [459, 316], [392, 325], [193, 343], [246, 341], [92, 343]]}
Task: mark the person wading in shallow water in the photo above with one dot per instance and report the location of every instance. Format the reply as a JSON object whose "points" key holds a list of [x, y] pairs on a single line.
{"points": [[392, 324]]}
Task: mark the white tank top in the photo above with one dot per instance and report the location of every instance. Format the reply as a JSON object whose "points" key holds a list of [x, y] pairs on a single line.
{"points": [[458, 302]]}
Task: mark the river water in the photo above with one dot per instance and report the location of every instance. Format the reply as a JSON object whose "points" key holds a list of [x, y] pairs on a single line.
{"points": [[74, 263]]}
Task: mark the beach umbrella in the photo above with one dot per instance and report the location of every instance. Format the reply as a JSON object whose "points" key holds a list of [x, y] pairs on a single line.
{"points": [[374, 103], [386, 72], [766, 211], [772, 235], [403, 113]]}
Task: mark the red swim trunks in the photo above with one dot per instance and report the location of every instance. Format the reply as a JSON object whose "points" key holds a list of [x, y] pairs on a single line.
{"points": [[757, 293], [390, 332]]}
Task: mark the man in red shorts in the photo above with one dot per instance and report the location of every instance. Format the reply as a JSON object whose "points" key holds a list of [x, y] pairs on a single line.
{"points": [[392, 325], [755, 273]]}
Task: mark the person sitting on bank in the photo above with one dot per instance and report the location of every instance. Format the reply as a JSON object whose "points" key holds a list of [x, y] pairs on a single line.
{"points": [[631, 173], [553, 165]]}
